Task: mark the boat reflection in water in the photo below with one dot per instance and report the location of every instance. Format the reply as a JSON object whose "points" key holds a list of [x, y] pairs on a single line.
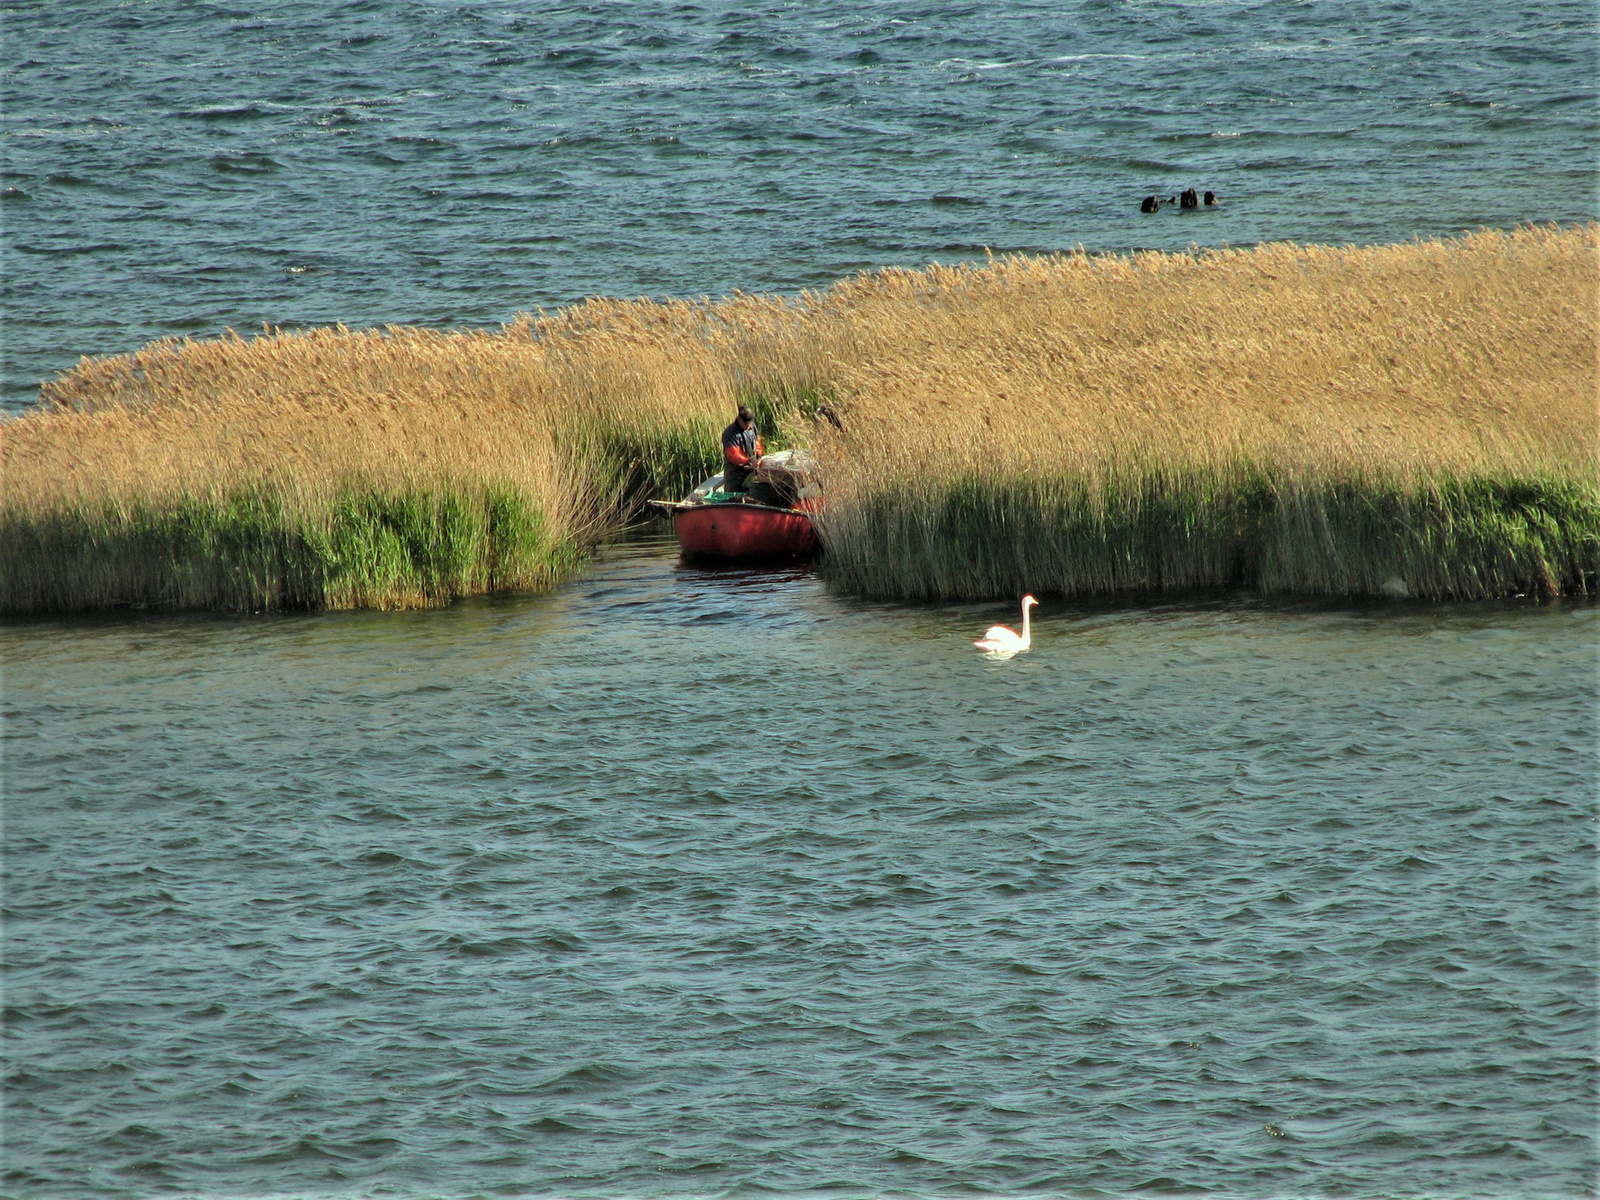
{"points": [[729, 526]]}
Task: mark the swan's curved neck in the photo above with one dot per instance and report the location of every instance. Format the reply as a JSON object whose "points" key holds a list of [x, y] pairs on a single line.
{"points": [[1027, 630]]}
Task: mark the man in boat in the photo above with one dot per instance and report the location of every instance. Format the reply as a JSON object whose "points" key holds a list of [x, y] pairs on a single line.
{"points": [[741, 454], [741, 451]]}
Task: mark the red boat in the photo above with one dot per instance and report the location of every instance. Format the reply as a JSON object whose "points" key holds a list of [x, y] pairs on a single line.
{"points": [[734, 530], [712, 523]]}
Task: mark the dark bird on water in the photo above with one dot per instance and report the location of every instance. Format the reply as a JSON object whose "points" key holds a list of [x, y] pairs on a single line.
{"points": [[1151, 204], [1189, 199], [1211, 198]]}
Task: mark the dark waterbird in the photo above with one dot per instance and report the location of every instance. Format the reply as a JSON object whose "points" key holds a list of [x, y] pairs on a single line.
{"points": [[1211, 198], [1189, 199]]}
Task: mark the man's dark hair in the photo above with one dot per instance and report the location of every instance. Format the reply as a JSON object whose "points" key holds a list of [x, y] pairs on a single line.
{"points": [[745, 414]]}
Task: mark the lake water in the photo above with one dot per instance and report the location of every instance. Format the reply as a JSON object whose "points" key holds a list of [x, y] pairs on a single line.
{"points": [[677, 882], [179, 169]]}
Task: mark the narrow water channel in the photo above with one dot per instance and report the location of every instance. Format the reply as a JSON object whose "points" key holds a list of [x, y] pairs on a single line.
{"points": [[678, 882]]}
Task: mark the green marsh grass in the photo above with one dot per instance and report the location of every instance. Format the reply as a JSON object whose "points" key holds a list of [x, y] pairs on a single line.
{"points": [[984, 537], [257, 550]]}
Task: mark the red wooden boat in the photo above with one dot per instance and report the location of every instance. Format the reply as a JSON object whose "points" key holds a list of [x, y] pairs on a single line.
{"points": [[711, 523], [734, 530]]}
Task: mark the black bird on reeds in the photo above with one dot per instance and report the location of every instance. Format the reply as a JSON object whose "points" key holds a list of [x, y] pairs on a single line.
{"points": [[831, 414]]}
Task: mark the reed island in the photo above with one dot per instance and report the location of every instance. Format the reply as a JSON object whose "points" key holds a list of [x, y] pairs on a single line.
{"points": [[1411, 420]]}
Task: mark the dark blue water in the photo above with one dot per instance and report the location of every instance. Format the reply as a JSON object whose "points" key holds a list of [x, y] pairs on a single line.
{"points": [[682, 883], [180, 168]]}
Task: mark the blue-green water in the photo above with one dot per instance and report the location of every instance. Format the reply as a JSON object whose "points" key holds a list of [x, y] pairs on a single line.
{"points": [[681, 883], [689, 883], [182, 168]]}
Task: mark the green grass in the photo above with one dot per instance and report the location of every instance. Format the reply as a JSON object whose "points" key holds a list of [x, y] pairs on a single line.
{"points": [[253, 551], [985, 537], [992, 538], [257, 550], [1471, 538], [626, 465]]}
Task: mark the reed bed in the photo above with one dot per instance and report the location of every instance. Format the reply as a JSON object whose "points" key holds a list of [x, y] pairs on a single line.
{"points": [[1411, 420], [1416, 420]]}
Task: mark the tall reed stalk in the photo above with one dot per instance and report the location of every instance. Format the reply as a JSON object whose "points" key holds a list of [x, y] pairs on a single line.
{"points": [[1416, 419]]}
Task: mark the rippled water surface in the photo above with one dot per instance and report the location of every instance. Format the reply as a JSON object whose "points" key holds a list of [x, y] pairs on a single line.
{"points": [[675, 882], [177, 169], [678, 882]]}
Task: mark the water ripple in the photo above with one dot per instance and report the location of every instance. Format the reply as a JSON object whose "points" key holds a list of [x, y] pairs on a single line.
{"points": [[797, 144], [590, 893]]}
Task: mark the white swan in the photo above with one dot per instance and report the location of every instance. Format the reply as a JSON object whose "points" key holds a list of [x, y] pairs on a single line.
{"points": [[1000, 640]]}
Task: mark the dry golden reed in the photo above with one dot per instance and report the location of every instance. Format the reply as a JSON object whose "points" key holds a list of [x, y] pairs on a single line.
{"points": [[1418, 418], [1301, 418]]}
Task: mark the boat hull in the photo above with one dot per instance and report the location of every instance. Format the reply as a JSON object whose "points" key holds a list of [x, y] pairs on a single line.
{"points": [[743, 531]]}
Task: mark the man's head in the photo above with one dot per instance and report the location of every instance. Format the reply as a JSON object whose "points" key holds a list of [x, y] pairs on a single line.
{"points": [[746, 417]]}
